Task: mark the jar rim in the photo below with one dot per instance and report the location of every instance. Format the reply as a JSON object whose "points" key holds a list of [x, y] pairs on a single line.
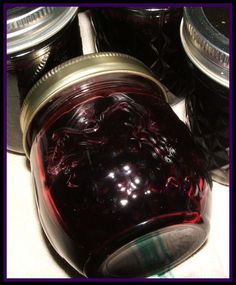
{"points": [[206, 47], [74, 71], [34, 25]]}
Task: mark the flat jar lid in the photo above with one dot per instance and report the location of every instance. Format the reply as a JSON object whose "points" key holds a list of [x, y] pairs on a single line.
{"points": [[204, 34], [74, 71], [30, 26]]}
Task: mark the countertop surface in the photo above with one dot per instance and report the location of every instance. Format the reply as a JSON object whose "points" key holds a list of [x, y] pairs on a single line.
{"points": [[29, 254]]}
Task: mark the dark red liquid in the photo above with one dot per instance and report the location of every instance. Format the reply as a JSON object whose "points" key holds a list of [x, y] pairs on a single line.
{"points": [[208, 105], [113, 168], [208, 112], [151, 35], [26, 67]]}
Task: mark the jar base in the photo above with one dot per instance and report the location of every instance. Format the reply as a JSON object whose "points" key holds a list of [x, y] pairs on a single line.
{"points": [[155, 252]]}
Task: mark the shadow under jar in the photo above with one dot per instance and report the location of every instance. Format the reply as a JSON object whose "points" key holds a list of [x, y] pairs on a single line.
{"points": [[121, 188], [38, 39], [150, 34], [205, 39]]}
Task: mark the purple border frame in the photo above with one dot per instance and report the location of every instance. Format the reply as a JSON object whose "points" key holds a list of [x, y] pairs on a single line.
{"points": [[231, 141], [181, 4], [4, 151], [5, 5]]}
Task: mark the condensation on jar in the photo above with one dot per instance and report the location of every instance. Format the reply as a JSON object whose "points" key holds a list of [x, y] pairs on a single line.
{"points": [[150, 34], [205, 39], [38, 39], [121, 188]]}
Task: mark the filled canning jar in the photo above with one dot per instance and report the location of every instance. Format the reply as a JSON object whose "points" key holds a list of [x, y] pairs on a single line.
{"points": [[205, 39], [150, 34], [121, 188], [38, 39]]}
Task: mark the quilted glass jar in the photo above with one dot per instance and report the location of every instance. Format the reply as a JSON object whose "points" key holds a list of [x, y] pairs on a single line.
{"points": [[205, 39], [38, 39], [121, 188], [150, 34]]}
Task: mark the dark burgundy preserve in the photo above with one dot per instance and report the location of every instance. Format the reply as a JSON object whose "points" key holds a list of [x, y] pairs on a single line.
{"points": [[152, 35], [208, 112], [112, 165], [27, 66], [207, 106]]}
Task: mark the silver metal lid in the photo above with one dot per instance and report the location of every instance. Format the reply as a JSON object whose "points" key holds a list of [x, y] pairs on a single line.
{"points": [[205, 43], [29, 26]]}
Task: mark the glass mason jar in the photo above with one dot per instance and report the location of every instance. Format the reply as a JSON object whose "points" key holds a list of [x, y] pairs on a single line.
{"points": [[205, 39], [150, 34], [38, 39], [121, 188]]}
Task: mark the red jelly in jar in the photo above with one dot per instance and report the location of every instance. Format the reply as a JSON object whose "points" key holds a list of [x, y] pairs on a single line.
{"points": [[152, 35], [205, 38], [121, 188], [38, 39]]}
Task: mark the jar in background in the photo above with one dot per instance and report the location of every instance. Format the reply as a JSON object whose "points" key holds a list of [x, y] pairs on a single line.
{"points": [[38, 39], [205, 39], [150, 34], [121, 188]]}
